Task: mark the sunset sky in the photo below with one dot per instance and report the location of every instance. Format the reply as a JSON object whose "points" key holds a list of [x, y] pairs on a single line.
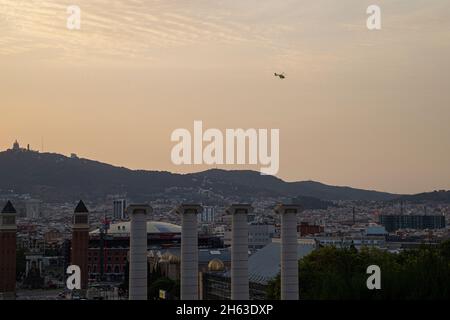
{"points": [[368, 109]]}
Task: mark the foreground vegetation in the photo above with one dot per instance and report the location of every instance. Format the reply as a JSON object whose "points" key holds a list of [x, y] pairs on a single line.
{"points": [[330, 273]]}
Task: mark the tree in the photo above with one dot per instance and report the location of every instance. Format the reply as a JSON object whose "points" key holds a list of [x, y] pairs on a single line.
{"points": [[162, 283], [20, 263], [126, 277], [331, 273]]}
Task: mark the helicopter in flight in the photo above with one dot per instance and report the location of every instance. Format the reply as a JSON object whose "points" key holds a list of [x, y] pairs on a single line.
{"points": [[280, 75]]}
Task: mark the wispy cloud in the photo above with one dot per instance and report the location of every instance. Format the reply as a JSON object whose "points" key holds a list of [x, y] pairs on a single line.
{"points": [[120, 28], [291, 32]]}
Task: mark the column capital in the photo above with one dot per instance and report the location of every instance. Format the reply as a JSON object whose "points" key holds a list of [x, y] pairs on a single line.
{"points": [[139, 208], [189, 208], [288, 208], [239, 208]]}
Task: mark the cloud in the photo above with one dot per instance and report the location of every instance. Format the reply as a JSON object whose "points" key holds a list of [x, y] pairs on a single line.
{"points": [[120, 29], [290, 32]]}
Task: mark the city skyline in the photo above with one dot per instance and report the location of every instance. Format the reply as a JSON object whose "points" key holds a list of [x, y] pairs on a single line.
{"points": [[238, 153], [367, 109]]}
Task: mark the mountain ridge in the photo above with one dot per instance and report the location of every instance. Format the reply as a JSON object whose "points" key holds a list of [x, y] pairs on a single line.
{"points": [[55, 177]]}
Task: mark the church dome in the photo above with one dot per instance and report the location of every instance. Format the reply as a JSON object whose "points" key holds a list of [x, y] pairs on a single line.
{"points": [[216, 265], [165, 257], [174, 259], [168, 257]]}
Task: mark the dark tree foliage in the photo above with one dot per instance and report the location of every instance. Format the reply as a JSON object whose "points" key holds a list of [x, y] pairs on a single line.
{"points": [[163, 283], [155, 282], [20, 264], [126, 277], [330, 273]]}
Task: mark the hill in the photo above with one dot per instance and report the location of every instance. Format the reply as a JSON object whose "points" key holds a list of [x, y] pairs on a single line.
{"points": [[54, 178], [440, 196]]}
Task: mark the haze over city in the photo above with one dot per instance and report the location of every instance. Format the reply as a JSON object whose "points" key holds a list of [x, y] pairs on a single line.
{"points": [[368, 109], [215, 158]]}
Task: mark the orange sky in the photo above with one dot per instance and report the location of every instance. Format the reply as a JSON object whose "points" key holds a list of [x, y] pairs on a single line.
{"points": [[368, 109]]}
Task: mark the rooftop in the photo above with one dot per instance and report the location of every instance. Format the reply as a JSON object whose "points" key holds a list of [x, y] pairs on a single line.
{"points": [[264, 265], [9, 208], [81, 208], [152, 227]]}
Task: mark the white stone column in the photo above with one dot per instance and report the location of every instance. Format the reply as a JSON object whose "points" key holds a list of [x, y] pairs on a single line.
{"points": [[189, 250], [138, 251], [289, 255], [239, 251]]}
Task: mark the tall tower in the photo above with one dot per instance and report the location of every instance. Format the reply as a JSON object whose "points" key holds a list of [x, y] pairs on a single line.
{"points": [[137, 286], [239, 251], [80, 241], [119, 209], [8, 252], [289, 255], [189, 250]]}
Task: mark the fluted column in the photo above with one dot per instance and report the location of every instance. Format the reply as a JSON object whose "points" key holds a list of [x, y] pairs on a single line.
{"points": [[138, 251], [189, 250], [289, 255], [239, 251]]}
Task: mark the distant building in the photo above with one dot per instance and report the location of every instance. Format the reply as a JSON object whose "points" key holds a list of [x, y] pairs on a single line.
{"points": [[352, 241], [53, 236], [168, 260], [396, 222], [119, 209], [16, 146], [43, 271], [208, 215], [259, 235], [162, 237], [306, 229], [33, 270], [33, 208], [375, 230], [251, 217], [263, 266]]}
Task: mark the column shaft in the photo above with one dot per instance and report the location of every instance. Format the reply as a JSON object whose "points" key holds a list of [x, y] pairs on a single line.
{"points": [[189, 256], [239, 257], [138, 256], [289, 257]]}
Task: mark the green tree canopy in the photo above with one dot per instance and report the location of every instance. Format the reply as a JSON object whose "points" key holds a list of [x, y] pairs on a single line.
{"points": [[331, 273]]}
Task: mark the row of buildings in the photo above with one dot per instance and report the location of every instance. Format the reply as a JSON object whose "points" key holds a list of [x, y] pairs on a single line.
{"points": [[108, 247], [104, 256]]}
